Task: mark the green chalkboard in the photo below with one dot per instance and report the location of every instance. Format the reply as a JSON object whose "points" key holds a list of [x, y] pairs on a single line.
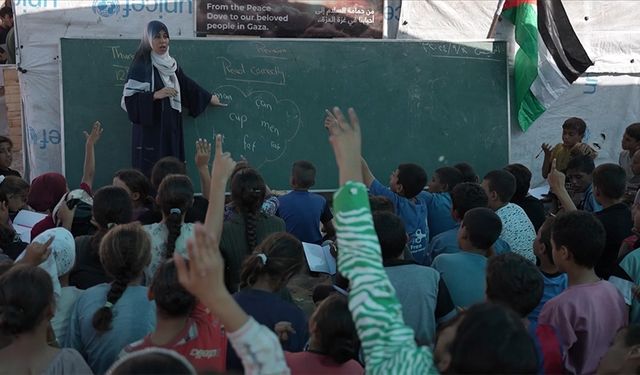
{"points": [[432, 103]]}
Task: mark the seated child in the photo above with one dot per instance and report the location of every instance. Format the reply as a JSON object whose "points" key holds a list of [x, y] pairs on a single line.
{"points": [[632, 242], [26, 304], [10, 243], [555, 282], [468, 173], [183, 324], [464, 197], [517, 229], [322, 291], [6, 157], [111, 206], [175, 198], [164, 167], [633, 180], [270, 203], [58, 266], [47, 190], [608, 188], [107, 317], [274, 262], [629, 269], [464, 272], [423, 294], [443, 181], [138, 187], [630, 144], [622, 356], [468, 345], [516, 283], [590, 311], [405, 191], [531, 205], [333, 345], [573, 131], [16, 189], [152, 361], [248, 226], [580, 176], [302, 211]]}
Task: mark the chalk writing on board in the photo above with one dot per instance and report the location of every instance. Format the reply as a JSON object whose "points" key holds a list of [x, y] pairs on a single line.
{"points": [[258, 123], [120, 72], [461, 51], [271, 52], [255, 72], [120, 64], [118, 54]]}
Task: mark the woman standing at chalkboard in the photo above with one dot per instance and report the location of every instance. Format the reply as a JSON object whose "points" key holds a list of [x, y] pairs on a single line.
{"points": [[155, 92]]}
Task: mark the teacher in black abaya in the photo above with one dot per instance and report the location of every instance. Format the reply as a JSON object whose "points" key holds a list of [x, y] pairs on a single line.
{"points": [[154, 95]]}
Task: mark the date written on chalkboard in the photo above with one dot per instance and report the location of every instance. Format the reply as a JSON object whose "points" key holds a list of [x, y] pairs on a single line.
{"points": [[464, 51]]}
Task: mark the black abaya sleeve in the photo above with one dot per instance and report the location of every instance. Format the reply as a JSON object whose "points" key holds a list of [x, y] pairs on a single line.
{"points": [[194, 97], [140, 108]]}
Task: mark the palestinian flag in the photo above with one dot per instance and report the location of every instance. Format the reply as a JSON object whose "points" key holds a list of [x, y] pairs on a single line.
{"points": [[549, 55]]}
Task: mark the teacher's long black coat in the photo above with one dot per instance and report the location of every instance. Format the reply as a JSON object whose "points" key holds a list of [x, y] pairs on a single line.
{"points": [[157, 128]]}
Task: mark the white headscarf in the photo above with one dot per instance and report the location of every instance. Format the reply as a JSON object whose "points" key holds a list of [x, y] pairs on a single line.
{"points": [[167, 67], [62, 258], [138, 80]]}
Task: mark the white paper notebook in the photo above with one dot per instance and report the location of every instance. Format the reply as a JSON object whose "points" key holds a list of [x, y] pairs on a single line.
{"points": [[24, 221], [319, 258]]}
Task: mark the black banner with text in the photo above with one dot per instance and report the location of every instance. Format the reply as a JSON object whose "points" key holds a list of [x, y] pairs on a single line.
{"points": [[291, 19]]}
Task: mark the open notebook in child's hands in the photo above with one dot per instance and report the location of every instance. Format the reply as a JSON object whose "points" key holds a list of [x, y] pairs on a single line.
{"points": [[24, 221], [319, 258]]}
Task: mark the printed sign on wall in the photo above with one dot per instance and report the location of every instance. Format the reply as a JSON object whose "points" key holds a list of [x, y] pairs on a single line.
{"points": [[291, 19]]}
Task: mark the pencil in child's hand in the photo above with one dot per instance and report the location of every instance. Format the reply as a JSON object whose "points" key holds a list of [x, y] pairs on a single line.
{"points": [[539, 153]]}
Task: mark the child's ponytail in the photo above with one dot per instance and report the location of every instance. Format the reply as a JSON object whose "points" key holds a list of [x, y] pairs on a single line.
{"points": [[247, 192], [279, 256], [175, 197], [124, 252]]}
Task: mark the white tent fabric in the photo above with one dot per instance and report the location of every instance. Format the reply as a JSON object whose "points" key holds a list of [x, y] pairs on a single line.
{"points": [[608, 99], [609, 30]]}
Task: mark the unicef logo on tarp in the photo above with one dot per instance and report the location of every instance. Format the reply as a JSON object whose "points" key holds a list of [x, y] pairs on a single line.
{"points": [[106, 8]]}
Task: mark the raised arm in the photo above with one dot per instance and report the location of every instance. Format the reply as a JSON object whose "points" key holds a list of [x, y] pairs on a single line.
{"points": [[89, 169], [388, 344], [367, 176], [203, 155], [223, 165], [255, 344], [546, 163], [556, 181]]}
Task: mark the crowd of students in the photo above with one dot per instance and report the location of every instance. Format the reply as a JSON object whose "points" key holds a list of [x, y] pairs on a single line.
{"points": [[455, 275]]}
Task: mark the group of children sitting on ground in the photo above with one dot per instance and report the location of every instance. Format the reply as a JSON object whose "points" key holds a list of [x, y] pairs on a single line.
{"points": [[468, 276]]}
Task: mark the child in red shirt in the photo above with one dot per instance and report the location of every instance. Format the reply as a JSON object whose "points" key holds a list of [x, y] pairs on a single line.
{"points": [[183, 324]]}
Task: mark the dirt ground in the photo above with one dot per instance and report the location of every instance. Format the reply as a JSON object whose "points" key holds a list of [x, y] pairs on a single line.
{"points": [[301, 288]]}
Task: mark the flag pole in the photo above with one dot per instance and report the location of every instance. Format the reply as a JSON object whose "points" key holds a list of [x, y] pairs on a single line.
{"points": [[496, 17]]}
